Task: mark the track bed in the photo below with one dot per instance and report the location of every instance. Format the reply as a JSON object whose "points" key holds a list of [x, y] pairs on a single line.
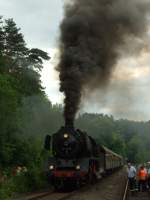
{"points": [[108, 188]]}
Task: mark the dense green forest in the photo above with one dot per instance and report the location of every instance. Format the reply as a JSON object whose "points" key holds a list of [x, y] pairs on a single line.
{"points": [[27, 115], [129, 138]]}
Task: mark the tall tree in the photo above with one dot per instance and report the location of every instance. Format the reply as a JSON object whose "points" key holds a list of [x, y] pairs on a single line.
{"points": [[19, 78], [1, 37], [15, 46]]}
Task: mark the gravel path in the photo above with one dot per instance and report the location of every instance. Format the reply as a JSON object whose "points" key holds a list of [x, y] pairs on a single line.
{"points": [[110, 188]]}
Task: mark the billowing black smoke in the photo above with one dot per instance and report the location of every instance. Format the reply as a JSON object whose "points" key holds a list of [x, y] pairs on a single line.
{"points": [[93, 33]]}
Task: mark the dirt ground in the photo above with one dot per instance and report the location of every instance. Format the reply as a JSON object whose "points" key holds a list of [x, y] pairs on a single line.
{"points": [[110, 188]]}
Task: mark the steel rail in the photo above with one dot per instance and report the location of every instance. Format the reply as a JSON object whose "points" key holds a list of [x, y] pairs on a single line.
{"points": [[41, 195], [126, 191]]}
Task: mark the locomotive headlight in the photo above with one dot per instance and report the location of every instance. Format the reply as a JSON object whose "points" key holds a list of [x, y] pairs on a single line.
{"points": [[51, 167], [66, 135], [78, 167]]}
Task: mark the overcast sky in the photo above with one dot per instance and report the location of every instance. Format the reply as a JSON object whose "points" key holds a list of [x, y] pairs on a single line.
{"points": [[38, 19], [39, 22]]}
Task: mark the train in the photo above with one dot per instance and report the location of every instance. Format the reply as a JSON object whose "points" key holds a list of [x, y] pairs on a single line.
{"points": [[75, 158]]}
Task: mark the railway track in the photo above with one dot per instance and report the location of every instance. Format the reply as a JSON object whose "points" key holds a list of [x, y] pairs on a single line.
{"points": [[125, 194], [135, 196], [53, 196], [87, 191], [105, 189]]}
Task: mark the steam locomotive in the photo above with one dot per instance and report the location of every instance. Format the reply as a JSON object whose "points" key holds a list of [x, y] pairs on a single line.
{"points": [[75, 157]]}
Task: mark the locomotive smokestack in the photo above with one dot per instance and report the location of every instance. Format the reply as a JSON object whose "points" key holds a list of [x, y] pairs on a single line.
{"points": [[69, 124]]}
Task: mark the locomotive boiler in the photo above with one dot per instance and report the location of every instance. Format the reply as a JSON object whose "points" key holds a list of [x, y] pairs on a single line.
{"points": [[75, 157]]}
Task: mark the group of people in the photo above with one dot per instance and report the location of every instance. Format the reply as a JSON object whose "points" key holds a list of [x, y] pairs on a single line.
{"points": [[139, 179], [16, 171]]}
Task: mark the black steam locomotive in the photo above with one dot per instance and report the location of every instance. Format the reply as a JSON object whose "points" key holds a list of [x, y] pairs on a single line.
{"points": [[75, 156]]}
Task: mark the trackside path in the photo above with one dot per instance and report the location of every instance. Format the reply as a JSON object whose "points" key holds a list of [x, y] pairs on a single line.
{"points": [[139, 196], [110, 188]]}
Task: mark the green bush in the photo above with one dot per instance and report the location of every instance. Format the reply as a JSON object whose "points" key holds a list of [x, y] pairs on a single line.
{"points": [[7, 189], [29, 181], [35, 179]]}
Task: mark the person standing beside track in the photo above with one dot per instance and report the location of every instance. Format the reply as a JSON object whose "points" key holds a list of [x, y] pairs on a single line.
{"points": [[131, 170], [142, 177]]}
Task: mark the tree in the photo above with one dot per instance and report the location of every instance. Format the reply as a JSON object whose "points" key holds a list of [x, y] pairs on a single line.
{"points": [[1, 37], [14, 45], [8, 116], [21, 62], [19, 79]]}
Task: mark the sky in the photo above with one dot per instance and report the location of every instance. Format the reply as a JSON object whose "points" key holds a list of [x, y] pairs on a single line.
{"points": [[39, 22]]}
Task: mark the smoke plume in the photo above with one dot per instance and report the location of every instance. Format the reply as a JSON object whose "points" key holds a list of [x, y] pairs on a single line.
{"points": [[93, 36]]}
